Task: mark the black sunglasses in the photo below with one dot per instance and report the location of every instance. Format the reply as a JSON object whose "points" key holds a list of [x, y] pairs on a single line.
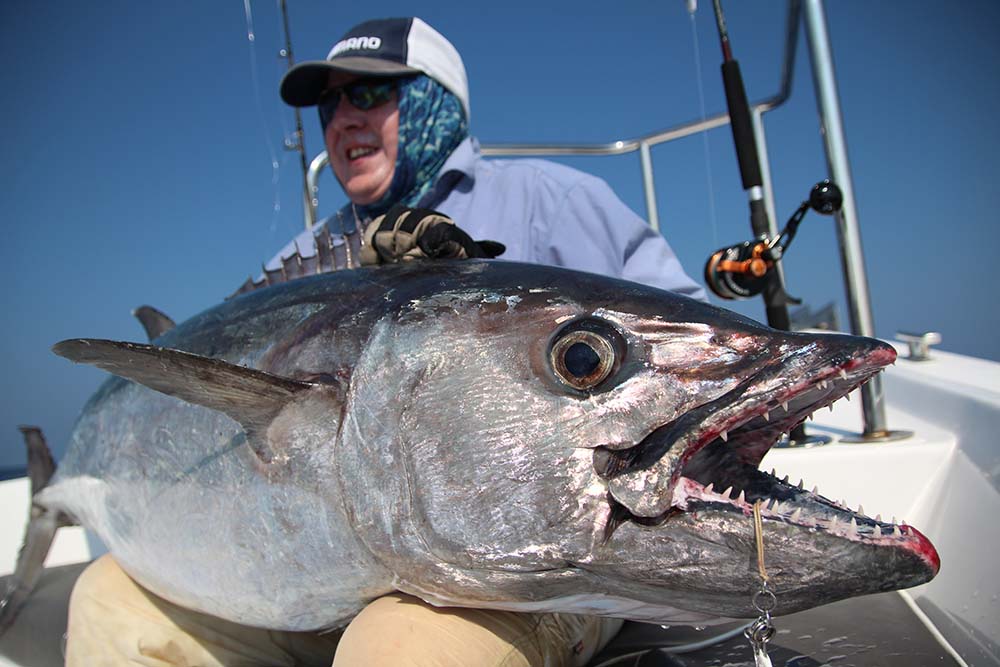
{"points": [[363, 94]]}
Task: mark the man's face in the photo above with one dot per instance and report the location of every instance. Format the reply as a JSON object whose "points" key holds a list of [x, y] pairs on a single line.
{"points": [[362, 146]]}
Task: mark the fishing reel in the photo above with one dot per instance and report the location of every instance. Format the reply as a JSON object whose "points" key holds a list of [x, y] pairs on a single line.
{"points": [[741, 270]]}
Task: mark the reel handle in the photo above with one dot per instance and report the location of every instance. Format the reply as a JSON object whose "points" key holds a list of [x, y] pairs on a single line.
{"points": [[740, 271]]}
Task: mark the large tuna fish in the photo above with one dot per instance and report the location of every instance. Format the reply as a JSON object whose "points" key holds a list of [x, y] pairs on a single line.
{"points": [[473, 433]]}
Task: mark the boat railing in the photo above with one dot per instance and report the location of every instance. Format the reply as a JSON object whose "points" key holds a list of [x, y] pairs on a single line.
{"points": [[809, 13]]}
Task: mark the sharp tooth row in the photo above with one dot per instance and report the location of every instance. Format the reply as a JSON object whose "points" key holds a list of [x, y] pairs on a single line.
{"points": [[850, 529], [784, 404], [724, 436]]}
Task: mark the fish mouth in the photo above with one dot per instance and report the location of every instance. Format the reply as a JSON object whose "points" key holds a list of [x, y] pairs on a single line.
{"points": [[707, 459]]}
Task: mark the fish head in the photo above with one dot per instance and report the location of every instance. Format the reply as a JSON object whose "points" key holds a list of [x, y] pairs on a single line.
{"points": [[531, 435]]}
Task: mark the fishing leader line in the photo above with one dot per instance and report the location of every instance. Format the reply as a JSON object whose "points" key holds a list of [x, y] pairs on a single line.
{"points": [[760, 632]]}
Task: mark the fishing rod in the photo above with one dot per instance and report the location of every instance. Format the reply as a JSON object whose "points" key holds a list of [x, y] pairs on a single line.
{"points": [[743, 270], [765, 281], [297, 142]]}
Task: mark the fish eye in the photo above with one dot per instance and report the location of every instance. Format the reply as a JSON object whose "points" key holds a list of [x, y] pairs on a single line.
{"points": [[583, 359]]}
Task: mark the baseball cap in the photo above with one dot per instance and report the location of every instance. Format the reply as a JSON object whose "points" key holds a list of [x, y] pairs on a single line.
{"points": [[381, 47]]}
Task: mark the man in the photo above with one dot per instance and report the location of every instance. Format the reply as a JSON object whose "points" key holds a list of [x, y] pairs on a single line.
{"points": [[394, 108], [393, 103]]}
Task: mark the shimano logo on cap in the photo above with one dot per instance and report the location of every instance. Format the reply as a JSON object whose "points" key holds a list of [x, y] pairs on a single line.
{"points": [[355, 43]]}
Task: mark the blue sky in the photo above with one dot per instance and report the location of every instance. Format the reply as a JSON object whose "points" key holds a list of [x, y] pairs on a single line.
{"points": [[140, 136]]}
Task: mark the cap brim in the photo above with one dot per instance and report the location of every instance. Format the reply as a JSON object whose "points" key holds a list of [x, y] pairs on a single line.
{"points": [[301, 86]]}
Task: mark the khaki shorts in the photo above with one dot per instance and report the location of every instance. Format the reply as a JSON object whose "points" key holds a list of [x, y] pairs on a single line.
{"points": [[113, 621]]}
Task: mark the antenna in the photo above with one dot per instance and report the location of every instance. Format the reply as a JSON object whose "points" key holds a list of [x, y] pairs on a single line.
{"points": [[297, 142]]}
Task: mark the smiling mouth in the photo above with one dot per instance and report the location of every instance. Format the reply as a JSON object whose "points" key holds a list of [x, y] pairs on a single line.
{"points": [[359, 152], [706, 460]]}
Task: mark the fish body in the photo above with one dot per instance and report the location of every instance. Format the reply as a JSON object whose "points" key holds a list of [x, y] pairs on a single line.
{"points": [[479, 433]]}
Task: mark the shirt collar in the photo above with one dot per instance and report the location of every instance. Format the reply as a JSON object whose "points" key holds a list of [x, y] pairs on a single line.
{"points": [[463, 158]]}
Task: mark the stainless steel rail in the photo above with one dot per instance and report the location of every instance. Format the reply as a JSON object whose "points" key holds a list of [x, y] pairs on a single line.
{"points": [[619, 147], [848, 232], [856, 283]]}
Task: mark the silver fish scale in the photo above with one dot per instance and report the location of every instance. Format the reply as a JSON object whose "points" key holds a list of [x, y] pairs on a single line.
{"points": [[426, 444]]}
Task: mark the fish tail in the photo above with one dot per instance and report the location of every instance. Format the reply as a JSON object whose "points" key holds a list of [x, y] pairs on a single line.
{"points": [[41, 530]]}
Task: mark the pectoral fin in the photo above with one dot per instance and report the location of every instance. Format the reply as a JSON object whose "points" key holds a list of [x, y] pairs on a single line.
{"points": [[253, 398]]}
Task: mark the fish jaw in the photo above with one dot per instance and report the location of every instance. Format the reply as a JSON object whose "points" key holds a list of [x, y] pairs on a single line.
{"points": [[695, 481], [704, 559]]}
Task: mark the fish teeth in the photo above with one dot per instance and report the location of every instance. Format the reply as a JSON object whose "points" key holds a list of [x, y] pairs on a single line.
{"points": [[724, 436], [811, 417], [843, 374], [708, 489], [773, 473], [895, 532], [878, 517], [801, 484], [852, 529], [797, 514], [815, 491], [743, 497], [877, 532], [784, 404], [830, 407], [784, 480], [766, 416], [727, 492], [847, 397], [823, 384], [833, 522], [771, 504]]}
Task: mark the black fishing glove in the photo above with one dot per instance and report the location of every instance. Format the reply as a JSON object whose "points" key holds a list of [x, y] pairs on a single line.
{"points": [[405, 234]]}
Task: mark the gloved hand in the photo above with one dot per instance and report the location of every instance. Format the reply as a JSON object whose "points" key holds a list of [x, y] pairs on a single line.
{"points": [[404, 234]]}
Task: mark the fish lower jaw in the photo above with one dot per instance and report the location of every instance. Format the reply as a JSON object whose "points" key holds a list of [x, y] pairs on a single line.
{"points": [[804, 509]]}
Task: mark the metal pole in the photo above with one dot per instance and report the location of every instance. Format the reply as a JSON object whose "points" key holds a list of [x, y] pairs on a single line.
{"points": [[757, 118], [298, 143], [647, 184], [855, 278], [312, 186]]}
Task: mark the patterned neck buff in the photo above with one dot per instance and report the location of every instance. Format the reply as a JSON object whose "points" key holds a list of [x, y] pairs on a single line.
{"points": [[431, 125]]}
